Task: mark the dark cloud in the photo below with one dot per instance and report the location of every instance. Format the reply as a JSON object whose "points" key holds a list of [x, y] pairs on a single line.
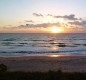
{"points": [[21, 26], [29, 21], [69, 17], [45, 25], [79, 23], [72, 21], [37, 15], [9, 25], [49, 15]]}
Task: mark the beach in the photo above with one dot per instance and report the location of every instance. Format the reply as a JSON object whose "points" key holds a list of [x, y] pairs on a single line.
{"points": [[43, 52], [45, 63]]}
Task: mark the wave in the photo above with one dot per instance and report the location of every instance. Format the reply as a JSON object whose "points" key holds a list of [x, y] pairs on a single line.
{"points": [[13, 39], [40, 52], [9, 39]]}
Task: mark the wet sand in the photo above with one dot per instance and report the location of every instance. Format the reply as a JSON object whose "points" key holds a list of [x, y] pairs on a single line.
{"points": [[45, 63]]}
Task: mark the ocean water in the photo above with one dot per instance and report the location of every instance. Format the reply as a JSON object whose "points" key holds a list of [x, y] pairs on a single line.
{"points": [[23, 44]]}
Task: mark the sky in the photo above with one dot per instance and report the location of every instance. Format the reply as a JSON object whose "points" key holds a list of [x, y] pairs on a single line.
{"points": [[30, 16]]}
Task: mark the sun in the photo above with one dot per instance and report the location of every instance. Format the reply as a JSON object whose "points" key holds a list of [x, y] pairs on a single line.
{"points": [[56, 29]]}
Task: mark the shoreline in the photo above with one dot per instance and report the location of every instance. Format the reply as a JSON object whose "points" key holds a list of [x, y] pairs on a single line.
{"points": [[66, 63]]}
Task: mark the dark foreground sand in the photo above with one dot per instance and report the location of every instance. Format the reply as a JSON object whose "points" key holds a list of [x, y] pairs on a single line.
{"points": [[45, 63]]}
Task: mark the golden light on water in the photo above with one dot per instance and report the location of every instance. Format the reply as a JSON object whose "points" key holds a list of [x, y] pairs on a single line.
{"points": [[54, 55], [56, 29], [54, 48]]}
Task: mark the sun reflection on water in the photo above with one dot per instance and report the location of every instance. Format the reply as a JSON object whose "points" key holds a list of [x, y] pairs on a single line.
{"points": [[54, 48], [54, 55]]}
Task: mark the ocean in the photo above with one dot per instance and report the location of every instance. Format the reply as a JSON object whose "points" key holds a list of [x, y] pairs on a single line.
{"points": [[25, 44]]}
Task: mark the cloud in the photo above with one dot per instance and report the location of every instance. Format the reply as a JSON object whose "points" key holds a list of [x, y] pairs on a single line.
{"points": [[49, 15], [37, 15], [79, 23], [45, 25], [72, 22], [69, 17], [29, 21]]}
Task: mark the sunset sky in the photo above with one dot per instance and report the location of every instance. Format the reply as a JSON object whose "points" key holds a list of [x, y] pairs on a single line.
{"points": [[43, 16]]}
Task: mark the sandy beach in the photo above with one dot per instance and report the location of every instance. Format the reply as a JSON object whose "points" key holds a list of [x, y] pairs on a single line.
{"points": [[45, 63]]}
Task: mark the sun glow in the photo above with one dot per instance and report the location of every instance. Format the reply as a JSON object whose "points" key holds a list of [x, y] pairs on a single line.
{"points": [[56, 29]]}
